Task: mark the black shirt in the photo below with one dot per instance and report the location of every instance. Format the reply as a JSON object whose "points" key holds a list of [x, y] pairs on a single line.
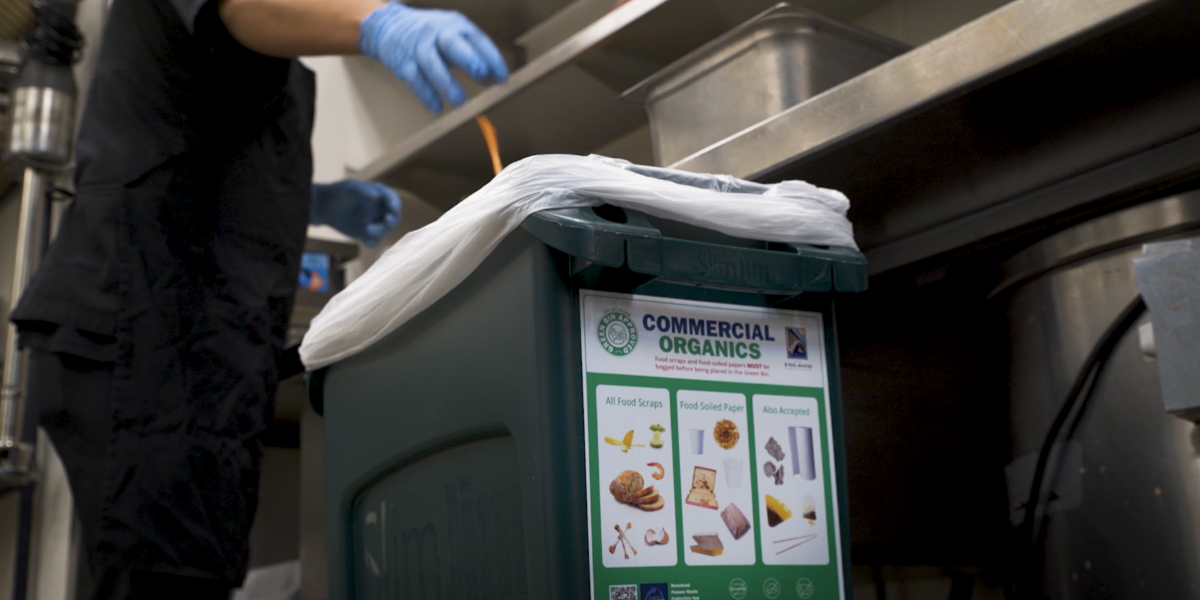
{"points": [[170, 83], [177, 263]]}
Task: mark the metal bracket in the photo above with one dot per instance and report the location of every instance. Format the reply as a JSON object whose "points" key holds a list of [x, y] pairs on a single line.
{"points": [[1168, 277], [15, 454], [16, 465]]}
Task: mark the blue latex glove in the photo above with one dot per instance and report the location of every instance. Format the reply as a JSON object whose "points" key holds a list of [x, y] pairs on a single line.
{"points": [[420, 46], [363, 210]]}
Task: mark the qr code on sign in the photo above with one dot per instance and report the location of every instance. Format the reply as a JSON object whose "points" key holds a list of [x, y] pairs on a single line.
{"points": [[622, 592]]}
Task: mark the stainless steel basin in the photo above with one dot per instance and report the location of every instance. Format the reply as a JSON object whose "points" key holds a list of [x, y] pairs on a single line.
{"points": [[776, 60]]}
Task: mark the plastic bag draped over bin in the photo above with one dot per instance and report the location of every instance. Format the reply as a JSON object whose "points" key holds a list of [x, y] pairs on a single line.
{"points": [[428, 263]]}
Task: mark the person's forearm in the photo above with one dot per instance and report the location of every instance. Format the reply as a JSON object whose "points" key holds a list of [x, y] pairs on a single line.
{"points": [[288, 28]]}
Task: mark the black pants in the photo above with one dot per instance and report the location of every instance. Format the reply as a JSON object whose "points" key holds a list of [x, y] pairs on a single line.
{"points": [[72, 396]]}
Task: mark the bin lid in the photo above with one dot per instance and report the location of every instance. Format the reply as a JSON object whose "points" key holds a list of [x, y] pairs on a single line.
{"points": [[627, 239]]}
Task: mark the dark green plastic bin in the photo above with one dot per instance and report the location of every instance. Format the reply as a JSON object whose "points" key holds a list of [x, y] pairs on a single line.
{"points": [[455, 446]]}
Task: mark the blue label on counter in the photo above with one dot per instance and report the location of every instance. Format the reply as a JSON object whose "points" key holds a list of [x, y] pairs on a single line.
{"points": [[314, 272]]}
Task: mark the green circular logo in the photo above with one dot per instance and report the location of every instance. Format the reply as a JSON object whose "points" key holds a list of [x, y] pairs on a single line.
{"points": [[771, 588], [805, 588], [618, 334], [738, 589]]}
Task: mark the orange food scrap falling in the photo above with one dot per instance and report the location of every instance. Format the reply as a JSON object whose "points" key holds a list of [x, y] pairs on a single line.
{"points": [[493, 144], [315, 282]]}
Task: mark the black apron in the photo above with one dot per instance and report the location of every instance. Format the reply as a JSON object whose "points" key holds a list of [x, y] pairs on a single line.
{"points": [[178, 262]]}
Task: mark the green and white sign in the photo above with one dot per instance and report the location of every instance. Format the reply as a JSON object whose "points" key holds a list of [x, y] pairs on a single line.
{"points": [[709, 445]]}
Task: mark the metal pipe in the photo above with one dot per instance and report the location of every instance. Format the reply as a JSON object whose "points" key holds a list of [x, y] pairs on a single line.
{"points": [[15, 453]]}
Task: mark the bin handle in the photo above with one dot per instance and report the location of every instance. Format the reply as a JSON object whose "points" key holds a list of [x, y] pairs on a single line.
{"points": [[605, 218], [614, 237], [585, 233]]}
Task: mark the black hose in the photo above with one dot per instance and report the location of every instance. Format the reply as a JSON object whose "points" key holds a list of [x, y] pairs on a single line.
{"points": [[880, 582], [1084, 387], [21, 562], [55, 40]]}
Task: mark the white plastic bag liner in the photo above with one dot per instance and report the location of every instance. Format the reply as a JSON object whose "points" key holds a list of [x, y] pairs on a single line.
{"points": [[280, 581], [429, 262]]}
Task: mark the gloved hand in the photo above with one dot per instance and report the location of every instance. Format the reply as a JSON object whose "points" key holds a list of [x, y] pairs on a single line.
{"points": [[420, 46], [363, 210]]}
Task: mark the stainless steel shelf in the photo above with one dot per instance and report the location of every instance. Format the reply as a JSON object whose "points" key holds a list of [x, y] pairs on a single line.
{"points": [[1013, 122], [563, 101], [982, 50]]}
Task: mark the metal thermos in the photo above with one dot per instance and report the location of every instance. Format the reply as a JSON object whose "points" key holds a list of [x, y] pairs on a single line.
{"points": [[43, 127]]}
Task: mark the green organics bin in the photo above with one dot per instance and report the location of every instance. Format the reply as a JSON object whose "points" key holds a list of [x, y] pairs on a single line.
{"points": [[610, 407]]}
